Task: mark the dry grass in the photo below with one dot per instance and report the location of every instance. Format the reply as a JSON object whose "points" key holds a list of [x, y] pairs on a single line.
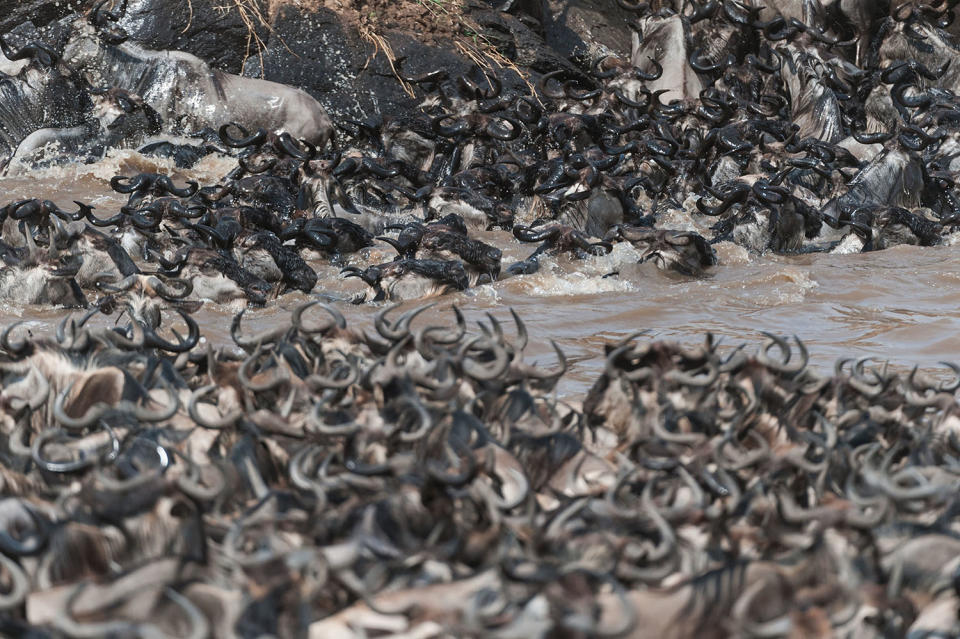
{"points": [[470, 41], [257, 16], [251, 16], [380, 45]]}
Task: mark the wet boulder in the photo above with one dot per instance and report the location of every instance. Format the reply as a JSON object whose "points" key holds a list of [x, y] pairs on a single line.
{"points": [[521, 40], [220, 36]]}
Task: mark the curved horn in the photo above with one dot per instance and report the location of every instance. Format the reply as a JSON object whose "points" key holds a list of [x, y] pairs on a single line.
{"points": [[701, 66], [40, 52], [738, 196], [639, 7], [499, 133], [483, 372], [192, 339], [102, 222], [264, 166], [297, 318], [872, 138], [163, 290], [651, 76], [280, 376], [31, 208], [133, 184], [248, 343], [94, 412], [15, 348], [287, 144], [241, 143], [598, 66], [187, 191], [708, 10], [223, 421], [401, 328], [398, 247], [449, 131], [571, 91], [543, 82]]}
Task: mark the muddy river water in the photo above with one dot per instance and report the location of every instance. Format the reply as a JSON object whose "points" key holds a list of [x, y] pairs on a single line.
{"points": [[899, 304]]}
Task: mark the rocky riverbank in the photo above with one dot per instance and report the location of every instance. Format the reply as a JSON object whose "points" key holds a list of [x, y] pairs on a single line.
{"points": [[246, 432]]}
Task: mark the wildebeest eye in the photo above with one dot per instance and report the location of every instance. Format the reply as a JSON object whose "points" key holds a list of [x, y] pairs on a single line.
{"points": [[68, 265]]}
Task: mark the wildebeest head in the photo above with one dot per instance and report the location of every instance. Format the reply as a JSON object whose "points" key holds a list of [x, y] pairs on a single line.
{"points": [[333, 235], [408, 142], [264, 255], [320, 190], [188, 93], [33, 276], [123, 114], [406, 279], [105, 21], [447, 239], [664, 43], [39, 97], [150, 185], [44, 282], [815, 107], [685, 252], [892, 178], [216, 275], [145, 296], [915, 38]]}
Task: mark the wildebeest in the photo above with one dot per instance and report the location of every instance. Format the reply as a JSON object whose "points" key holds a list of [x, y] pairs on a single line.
{"points": [[190, 95], [664, 43], [116, 118], [39, 97]]}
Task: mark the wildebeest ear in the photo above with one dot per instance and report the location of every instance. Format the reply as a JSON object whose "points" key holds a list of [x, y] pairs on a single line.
{"points": [[103, 385], [302, 201]]}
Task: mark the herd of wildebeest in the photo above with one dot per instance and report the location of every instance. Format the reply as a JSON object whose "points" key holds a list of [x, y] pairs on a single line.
{"points": [[324, 480]]}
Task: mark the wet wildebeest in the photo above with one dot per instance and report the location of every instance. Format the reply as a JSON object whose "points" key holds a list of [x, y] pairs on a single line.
{"points": [[188, 94]]}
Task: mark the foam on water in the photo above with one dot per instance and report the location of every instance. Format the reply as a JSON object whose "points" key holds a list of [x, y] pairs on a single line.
{"points": [[551, 285], [210, 168], [568, 276]]}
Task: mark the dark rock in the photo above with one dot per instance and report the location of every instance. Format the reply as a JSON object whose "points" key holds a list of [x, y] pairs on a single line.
{"points": [[517, 41], [39, 12], [531, 8], [317, 52], [322, 54], [53, 34], [22, 35], [219, 36], [587, 29]]}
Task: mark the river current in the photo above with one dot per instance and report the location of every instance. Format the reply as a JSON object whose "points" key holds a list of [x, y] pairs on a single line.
{"points": [[898, 304]]}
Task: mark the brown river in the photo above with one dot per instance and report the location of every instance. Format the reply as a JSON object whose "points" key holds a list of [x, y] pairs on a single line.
{"points": [[898, 305]]}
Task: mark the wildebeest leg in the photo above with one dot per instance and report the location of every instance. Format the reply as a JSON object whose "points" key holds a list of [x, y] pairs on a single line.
{"points": [[528, 266], [531, 264]]}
